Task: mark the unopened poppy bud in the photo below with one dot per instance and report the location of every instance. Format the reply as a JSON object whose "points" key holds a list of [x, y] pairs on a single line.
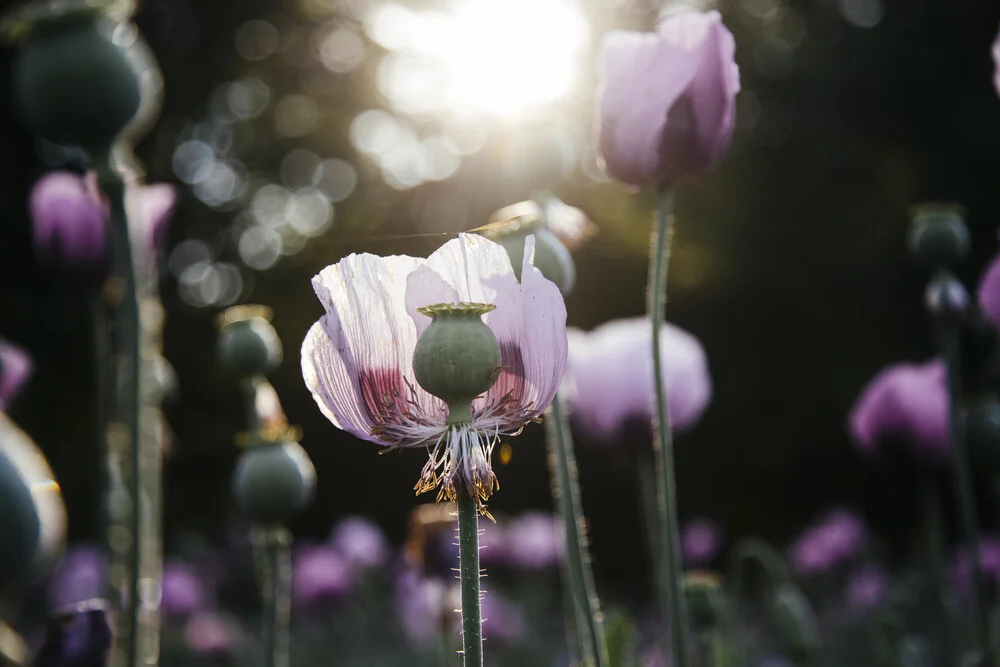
{"points": [[457, 357], [551, 256], [273, 482], [248, 344], [73, 83], [938, 237], [793, 620], [706, 600]]}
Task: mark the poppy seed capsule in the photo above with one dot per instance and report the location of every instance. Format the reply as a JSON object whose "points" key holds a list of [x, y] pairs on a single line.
{"points": [[273, 482], [938, 237], [250, 347], [457, 356], [551, 256], [74, 85]]}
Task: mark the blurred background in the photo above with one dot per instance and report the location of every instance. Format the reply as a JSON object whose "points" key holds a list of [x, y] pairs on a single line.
{"points": [[299, 131]]}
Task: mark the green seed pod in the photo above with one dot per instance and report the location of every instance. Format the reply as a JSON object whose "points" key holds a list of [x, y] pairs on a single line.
{"points": [[457, 357], [706, 600], [273, 482], [74, 85], [551, 256], [938, 237], [248, 344], [793, 620]]}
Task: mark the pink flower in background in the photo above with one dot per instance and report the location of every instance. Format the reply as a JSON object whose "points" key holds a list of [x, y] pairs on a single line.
{"points": [[320, 574], [668, 105], [609, 377], [70, 220], [701, 540], [838, 537], [184, 591], [15, 369], [904, 404], [535, 541], [358, 359], [866, 587]]}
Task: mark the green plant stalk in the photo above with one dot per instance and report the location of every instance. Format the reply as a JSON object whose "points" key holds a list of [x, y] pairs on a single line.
{"points": [[951, 343], [128, 338], [592, 646], [277, 581], [671, 594], [933, 541], [103, 390], [468, 562]]}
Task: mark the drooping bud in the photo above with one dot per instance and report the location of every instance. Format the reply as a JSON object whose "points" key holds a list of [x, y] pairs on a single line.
{"points": [[793, 620], [75, 85], [938, 237], [457, 357], [274, 481], [248, 344], [551, 256]]}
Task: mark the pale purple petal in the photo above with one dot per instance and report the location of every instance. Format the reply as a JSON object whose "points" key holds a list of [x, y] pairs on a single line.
{"points": [[668, 104], [362, 349], [69, 222], [996, 63], [183, 589], [535, 541], [529, 320], [81, 575], [320, 574], [15, 369], [905, 403], [988, 293], [838, 537], [700, 542], [422, 605], [360, 542], [149, 209], [503, 620], [610, 376]]}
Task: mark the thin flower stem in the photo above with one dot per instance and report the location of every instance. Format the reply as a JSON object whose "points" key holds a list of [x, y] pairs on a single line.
{"points": [[277, 581], [672, 603], [128, 337], [103, 390], [468, 561], [592, 647], [952, 351], [933, 542]]}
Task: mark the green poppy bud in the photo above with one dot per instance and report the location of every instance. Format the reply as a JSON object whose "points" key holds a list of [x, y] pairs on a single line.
{"points": [[248, 344], [73, 83], [457, 357], [793, 620], [551, 256], [273, 482], [938, 237]]}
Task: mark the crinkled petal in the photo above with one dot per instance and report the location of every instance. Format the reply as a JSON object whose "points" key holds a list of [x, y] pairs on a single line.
{"points": [[610, 376], [15, 369], [529, 320], [359, 355]]}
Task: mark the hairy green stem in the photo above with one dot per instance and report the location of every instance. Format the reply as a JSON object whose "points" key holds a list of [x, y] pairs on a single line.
{"points": [[951, 343], [591, 644], [128, 337], [468, 561], [671, 593]]}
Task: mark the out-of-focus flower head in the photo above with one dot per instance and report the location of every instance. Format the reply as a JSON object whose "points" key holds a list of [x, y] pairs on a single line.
{"points": [[212, 635], [535, 541], [81, 575], [358, 360], [184, 590], [996, 63], [320, 574], [989, 563], [503, 620], [904, 405], [701, 540], [423, 606], [495, 546], [609, 377], [15, 369], [988, 292], [668, 106], [837, 538], [70, 219], [79, 635], [361, 543], [866, 587]]}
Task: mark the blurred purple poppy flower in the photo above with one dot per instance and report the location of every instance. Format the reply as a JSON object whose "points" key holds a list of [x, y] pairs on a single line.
{"points": [[988, 293], [700, 542], [211, 634], [866, 588], [15, 369], [494, 546], [609, 376], [360, 542], [989, 563], [80, 575], [837, 538], [184, 590], [996, 63], [905, 404], [319, 574], [70, 219], [503, 620], [424, 606], [669, 101], [535, 541], [79, 635]]}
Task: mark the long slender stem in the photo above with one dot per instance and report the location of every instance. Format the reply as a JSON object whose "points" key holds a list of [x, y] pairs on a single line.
{"points": [[468, 561], [566, 492], [952, 349], [103, 390], [671, 593], [933, 543], [277, 581], [128, 336]]}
